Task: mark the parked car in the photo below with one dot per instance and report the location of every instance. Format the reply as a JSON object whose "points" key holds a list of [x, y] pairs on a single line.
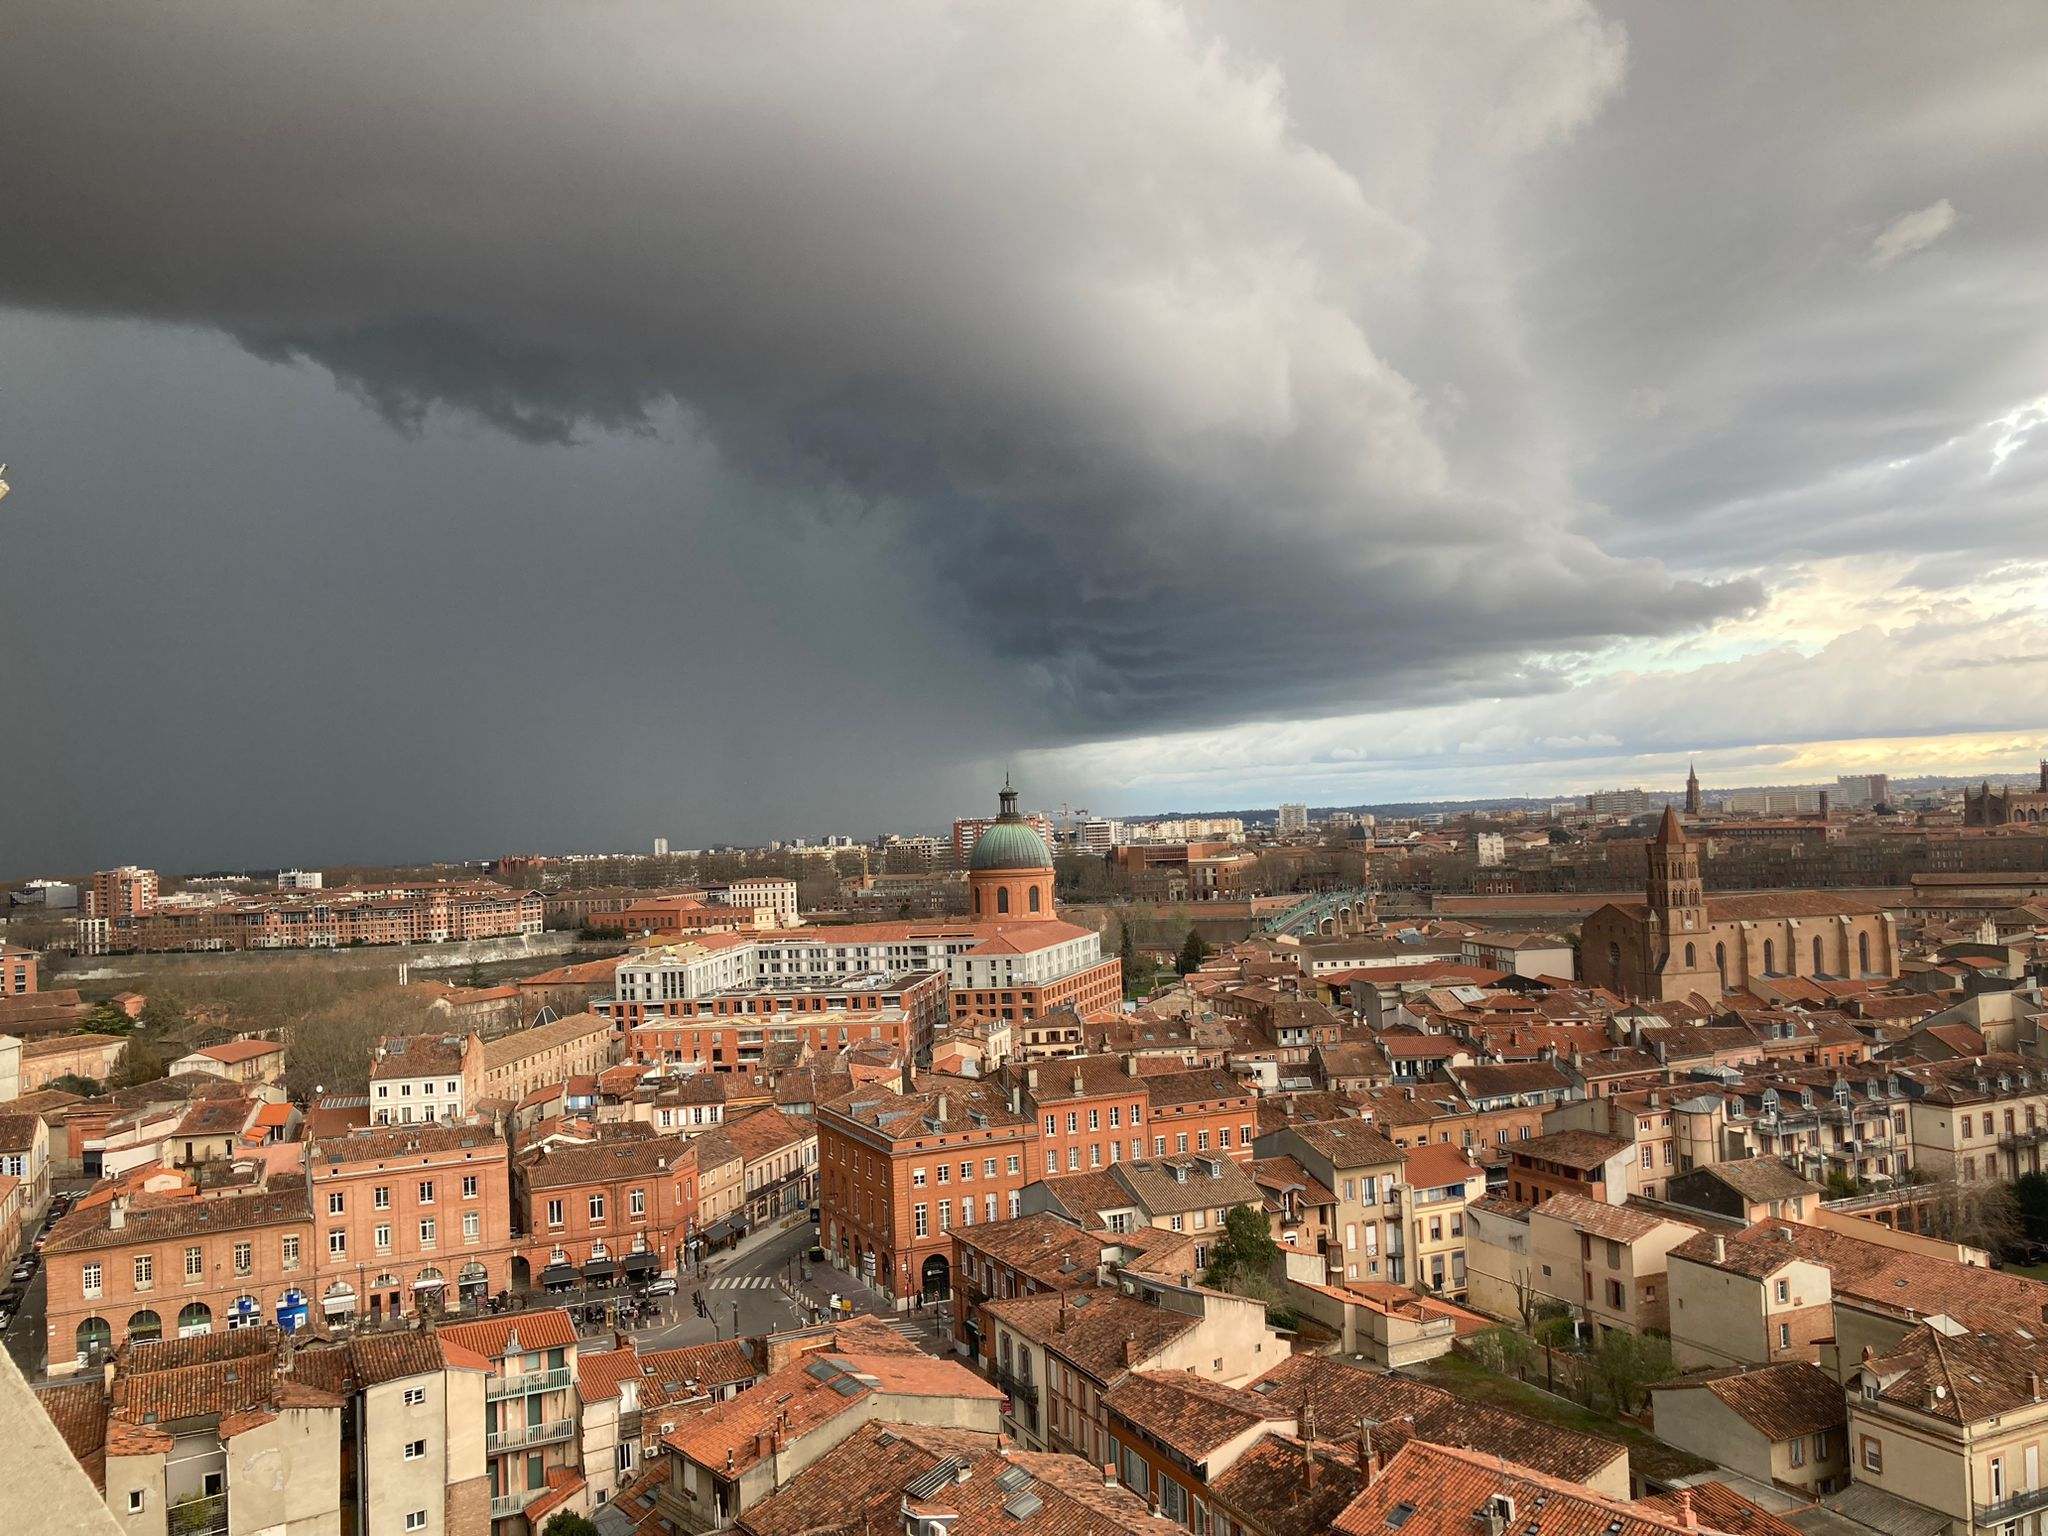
{"points": [[24, 1269], [661, 1287]]}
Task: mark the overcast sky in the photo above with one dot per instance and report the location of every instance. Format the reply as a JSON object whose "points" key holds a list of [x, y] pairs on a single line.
{"points": [[455, 429]]}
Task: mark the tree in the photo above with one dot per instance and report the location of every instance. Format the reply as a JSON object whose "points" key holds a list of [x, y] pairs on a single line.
{"points": [[164, 1013], [1245, 1250], [1194, 950], [72, 1082], [141, 1061], [2030, 1194], [331, 1046], [1986, 1217], [1628, 1364], [475, 979], [1127, 947], [568, 1523], [106, 1019]]}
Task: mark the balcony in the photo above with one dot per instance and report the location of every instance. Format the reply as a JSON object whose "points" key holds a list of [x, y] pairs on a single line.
{"points": [[532, 1381], [201, 1516], [505, 1504], [2032, 1136], [520, 1435], [2017, 1507]]}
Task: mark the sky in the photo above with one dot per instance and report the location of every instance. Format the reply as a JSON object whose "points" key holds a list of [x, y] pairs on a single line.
{"points": [[443, 431]]}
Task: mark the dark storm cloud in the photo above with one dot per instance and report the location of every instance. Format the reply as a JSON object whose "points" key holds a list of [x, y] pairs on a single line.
{"points": [[1055, 289], [981, 376]]}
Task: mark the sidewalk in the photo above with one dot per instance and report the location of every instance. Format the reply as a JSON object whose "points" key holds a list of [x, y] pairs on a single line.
{"points": [[736, 1257], [930, 1327]]}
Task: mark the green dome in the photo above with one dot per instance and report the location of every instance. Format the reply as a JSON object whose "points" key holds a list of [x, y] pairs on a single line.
{"points": [[1010, 845]]}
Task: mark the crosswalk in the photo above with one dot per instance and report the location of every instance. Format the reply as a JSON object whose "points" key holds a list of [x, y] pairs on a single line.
{"points": [[740, 1283]]}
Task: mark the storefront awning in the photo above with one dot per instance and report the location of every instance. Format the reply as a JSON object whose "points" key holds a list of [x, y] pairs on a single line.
{"points": [[334, 1304], [600, 1269], [558, 1275], [436, 1283], [641, 1263], [730, 1227]]}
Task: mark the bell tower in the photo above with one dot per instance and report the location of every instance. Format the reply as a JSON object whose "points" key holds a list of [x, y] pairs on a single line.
{"points": [[1692, 791], [1678, 902]]}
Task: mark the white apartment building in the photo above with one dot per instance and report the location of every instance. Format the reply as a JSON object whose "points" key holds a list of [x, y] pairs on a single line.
{"points": [[1099, 835], [758, 893], [300, 880], [1291, 820]]}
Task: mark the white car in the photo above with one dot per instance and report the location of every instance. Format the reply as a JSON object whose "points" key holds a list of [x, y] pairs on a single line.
{"points": [[661, 1287]]}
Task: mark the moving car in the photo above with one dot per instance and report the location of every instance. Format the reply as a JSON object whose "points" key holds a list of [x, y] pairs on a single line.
{"points": [[661, 1287]]}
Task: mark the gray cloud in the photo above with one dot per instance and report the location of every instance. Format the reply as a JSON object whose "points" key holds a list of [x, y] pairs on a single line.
{"points": [[1104, 370]]}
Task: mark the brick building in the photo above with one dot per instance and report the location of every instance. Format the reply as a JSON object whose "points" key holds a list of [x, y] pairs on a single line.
{"points": [[547, 1055], [733, 1031], [410, 1218], [17, 970], [425, 1078], [622, 1207], [155, 1267], [901, 1166]]}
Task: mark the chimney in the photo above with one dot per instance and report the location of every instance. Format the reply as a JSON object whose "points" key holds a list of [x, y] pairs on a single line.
{"points": [[1130, 1063], [1686, 1517], [1823, 805], [1368, 1458], [1720, 1249], [1109, 1474], [1308, 1446], [1079, 1086], [2034, 1386], [1031, 1079], [939, 1109], [1063, 1313], [1016, 1100], [117, 1213], [1131, 1351]]}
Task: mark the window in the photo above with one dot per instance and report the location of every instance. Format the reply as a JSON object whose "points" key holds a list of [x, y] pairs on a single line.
{"points": [[415, 1450], [291, 1252], [472, 1225], [917, 1178], [426, 1191], [1784, 1290], [468, 1179], [1784, 1335], [636, 1201], [380, 1197], [337, 1244], [1873, 1454], [382, 1237], [195, 1264], [134, 1501], [945, 1173], [426, 1232], [337, 1202], [920, 1216], [91, 1276], [245, 1258], [1073, 1124], [414, 1396], [416, 1520], [554, 1213], [145, 1271]]}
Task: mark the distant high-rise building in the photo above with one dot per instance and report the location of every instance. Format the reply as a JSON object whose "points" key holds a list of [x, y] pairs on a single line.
{"points": [[300, 880], [661, 847], [1291, 820], [1860, 791], [1099, 835], [1776, 802], [1618, 802], [124, 892], [1487, 848]]}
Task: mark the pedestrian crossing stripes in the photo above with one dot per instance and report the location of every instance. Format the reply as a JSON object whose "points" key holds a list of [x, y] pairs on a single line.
{"points": [[739, 1283]]}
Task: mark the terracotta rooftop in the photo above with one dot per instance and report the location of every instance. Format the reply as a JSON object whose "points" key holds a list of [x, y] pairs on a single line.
{"points": [[1187, 1413], [1963, 1378], [1433, 1490], [419, 1056], [1270, 1488], [1342, 1394], [1043, 1246], [158, 1218], [1718, 1508], [495, 1337], [1619, 1223], [863, 1487], [1092, 1330], [1884, 1279], [560, 1164], [1572, 1149], [523, 1044], [1780, 1400]]}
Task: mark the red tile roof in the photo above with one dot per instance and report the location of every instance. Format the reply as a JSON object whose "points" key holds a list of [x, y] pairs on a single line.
{"points": [[1433, 1490], [495, 1337]]}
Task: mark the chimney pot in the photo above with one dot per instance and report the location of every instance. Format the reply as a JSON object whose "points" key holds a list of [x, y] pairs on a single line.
{"points": [[1720, 1248]]}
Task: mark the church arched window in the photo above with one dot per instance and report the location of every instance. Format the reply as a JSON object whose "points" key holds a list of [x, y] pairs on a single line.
{"points": [[1770, 958], [1721, 962], [1614, 959], [1863, 953], [977, 899], [1033, 899], [1002, 898], [1816, 955], [1689, 961]]}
